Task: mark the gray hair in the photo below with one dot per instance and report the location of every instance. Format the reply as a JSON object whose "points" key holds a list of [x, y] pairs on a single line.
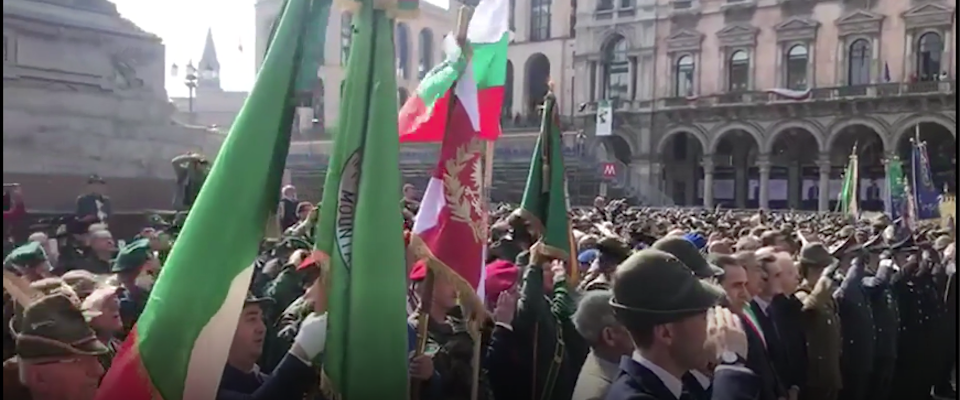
{"points": [[593, 314]]}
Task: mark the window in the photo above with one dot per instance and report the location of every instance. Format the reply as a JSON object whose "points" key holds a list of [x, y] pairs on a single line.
{"points": [[797, 58], [346, 36], [738, 72], [539, 20], [403, 51], [616, 69], [426, 53], [605, 5], [402, 96], [684, 78], [858, 66], [507, 110], [928, 56]]}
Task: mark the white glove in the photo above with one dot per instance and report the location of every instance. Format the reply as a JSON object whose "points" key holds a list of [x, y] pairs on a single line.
{"points": [[312, 337]]}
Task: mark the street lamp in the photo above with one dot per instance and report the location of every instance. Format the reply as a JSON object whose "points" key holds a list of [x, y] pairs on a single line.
{"points": [[190, 80]]}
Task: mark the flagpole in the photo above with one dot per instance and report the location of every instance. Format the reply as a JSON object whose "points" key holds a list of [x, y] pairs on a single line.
{"points": [[423, 317]]}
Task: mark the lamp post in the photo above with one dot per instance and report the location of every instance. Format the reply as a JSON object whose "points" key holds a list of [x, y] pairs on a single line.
{"points": [[580, 141], [190, 80]]}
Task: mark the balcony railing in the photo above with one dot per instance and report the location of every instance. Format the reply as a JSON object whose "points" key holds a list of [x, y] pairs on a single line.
{"points": [[885, 90]]}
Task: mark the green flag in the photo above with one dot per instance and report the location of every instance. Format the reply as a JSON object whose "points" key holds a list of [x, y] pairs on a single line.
{"points": [[197, 300], [849, 199], [544, 203], [360, 233]]}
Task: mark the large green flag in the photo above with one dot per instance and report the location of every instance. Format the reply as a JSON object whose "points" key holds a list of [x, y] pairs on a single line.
{"points": [[360, 233], [182, 337], [544, 203]]}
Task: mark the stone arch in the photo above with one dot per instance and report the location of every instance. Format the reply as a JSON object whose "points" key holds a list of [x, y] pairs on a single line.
{"points": [[717, 134], [877, 125], [618, 147], [693, 130], [536, 76], [612, 33], [905, 125], [780, 127]]}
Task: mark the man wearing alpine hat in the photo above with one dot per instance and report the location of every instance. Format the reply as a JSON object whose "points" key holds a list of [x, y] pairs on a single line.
{"points": [[675, 327]]}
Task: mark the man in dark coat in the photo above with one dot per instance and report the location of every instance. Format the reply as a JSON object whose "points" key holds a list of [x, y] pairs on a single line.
{"points": [[857, 329], [94, 206], [293, 377], [665, 309], [886, 319]]}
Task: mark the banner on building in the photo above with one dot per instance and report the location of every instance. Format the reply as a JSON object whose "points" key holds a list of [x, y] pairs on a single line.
{"points": [[604, 118]]}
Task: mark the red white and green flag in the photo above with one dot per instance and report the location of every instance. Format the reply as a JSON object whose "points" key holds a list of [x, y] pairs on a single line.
{"points": [[423, 117], [178, 348], [448, 233]]}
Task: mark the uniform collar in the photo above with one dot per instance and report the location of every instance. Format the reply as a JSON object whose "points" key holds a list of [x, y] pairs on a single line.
{"points": [[673, 384]]}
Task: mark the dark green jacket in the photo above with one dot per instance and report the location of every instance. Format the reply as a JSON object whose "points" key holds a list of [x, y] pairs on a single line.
{"points": [[545, 323]]}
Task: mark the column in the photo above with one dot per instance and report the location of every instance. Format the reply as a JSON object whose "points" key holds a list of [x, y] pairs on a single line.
{"points": [[601, 84], [690, 186], [778, 72], [708, 182], [794, 184], [823, 202], [632, 73], [812, 65], [764, 164]]}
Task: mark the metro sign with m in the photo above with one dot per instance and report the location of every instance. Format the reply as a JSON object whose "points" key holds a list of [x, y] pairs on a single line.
{"points": [[610, 170]]}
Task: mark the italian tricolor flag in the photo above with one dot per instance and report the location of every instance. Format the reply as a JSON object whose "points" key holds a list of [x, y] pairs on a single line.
{"points": [[423, 117], [178, 348]]}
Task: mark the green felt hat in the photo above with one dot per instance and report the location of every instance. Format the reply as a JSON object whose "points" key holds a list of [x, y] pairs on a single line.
{"points": [[28, 255], [53, 328], [653, 287], [688, 254], [133, 255]]}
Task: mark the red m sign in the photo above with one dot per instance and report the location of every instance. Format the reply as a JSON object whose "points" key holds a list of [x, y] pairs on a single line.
{"points": [[609, 170]]}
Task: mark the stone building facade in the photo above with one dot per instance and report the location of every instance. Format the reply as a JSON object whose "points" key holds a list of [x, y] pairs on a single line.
{"points": [[83, 93], [760, 102]]}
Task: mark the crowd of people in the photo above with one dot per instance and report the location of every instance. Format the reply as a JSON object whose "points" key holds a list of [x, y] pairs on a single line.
{"points": [[664, 304]]}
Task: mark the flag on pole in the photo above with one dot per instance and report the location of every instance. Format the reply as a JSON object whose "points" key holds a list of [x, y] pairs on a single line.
{"points": [[361, 227], [896, 189], [544, 203], [925, 193], [177, 350], [849, 194], [423, 117], [449, 235]]}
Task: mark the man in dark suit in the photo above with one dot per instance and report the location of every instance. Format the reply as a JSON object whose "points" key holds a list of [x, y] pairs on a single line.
{"points": [[670, 331], [788, 319], [291, 379], [763, 280]]}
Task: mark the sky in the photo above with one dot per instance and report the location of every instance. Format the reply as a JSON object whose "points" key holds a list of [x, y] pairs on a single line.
{"points": [[183, 24]]}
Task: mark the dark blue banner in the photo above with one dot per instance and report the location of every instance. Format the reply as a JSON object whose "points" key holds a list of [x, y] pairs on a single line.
{"points": [[925, 193]]}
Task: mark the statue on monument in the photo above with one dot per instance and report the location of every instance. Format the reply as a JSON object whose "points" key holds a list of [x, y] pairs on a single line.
{"points": [[191, 170]]}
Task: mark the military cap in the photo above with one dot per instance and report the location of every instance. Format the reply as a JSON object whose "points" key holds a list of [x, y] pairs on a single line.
{"points": [[53, 329], [688, 254], [816, 255], [132, 256], [615, 248], [942, 242], [653, 287], [253, 299], [28, 255]]}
